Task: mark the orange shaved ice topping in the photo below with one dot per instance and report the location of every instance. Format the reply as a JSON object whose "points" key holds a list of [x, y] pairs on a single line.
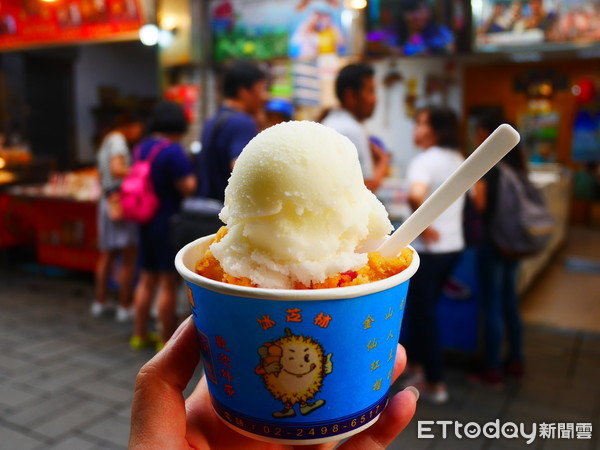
{"points": [[377, 268]]}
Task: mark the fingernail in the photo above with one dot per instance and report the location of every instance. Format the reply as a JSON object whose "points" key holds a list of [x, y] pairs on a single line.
{"points": [[180, 328], [414, 390]]}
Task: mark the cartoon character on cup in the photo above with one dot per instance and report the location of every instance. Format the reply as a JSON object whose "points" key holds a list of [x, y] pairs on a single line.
{"points": [[293, 368]]}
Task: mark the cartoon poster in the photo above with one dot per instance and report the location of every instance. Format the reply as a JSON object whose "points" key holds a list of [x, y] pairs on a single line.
{"points": [[270, 29], [32, 22]]}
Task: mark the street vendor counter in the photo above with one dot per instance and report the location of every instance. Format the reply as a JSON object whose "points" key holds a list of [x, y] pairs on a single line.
{"points": [[555, 183], [63, 228]]}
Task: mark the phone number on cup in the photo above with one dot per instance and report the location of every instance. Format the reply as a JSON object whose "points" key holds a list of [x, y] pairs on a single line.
{"points": [[301, 431]]}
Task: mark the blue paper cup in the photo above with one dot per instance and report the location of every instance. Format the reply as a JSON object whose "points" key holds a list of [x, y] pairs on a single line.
{"points": [[296, 366]]}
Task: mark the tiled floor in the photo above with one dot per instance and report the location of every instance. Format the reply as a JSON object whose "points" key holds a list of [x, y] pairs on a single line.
{"points": [[561, 386], [560, 297], [66, 380]]}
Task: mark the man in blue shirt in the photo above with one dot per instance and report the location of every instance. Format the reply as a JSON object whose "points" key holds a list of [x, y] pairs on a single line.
{"points": [[225, 134]]}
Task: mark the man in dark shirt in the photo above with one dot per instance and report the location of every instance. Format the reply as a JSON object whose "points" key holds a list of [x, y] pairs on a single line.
{"points": [[225, 134]]}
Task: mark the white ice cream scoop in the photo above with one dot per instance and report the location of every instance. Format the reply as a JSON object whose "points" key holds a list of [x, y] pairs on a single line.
{"points": [[296, 208]]}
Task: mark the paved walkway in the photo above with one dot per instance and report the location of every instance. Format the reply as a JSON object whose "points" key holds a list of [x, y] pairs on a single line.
{"points": [[562, 385], [66, 379]]}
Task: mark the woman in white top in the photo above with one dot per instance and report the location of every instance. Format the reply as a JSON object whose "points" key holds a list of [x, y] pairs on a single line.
{"points": [[439, 246], [115, 237]]}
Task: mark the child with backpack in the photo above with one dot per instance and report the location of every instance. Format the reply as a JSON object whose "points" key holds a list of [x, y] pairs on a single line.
{"points": [[171, 178], [117, 237]]}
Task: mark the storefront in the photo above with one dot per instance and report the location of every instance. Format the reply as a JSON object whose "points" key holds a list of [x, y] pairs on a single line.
{"points": [[469, 56], [66, 74]]}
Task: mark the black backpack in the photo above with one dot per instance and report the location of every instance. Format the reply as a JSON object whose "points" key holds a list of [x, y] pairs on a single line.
{"points": [[522, 224]]}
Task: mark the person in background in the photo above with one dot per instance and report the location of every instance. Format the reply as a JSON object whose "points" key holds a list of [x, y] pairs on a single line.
{"points": [[497, 275], [116, 237], [244, 88], [173, 179], [278, 110], [439, 247], [355, 90], [161, 418]]}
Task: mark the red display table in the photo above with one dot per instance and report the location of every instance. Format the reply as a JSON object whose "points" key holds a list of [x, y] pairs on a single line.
{"points": [[64, 229]]}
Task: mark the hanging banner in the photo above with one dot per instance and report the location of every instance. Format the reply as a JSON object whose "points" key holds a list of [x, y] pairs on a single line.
{"points": [[32, 23]]}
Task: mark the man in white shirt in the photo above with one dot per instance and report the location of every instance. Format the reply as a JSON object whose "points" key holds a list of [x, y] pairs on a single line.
{"points": [[355, 90]]}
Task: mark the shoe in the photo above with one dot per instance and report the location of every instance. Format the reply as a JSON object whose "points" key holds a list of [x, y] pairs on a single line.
{"points": [[124, 314], [99, 309], [140, 343], [432, 396], [514, 369], [491, 377]]}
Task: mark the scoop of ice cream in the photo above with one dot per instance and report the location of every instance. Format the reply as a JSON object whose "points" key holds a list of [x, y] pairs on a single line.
{"points": [[297, 208]]}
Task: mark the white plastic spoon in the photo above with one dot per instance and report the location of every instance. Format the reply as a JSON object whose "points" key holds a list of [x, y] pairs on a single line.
{"points": [[486, 156]]}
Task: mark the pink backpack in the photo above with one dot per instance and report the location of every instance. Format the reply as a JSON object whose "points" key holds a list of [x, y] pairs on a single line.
{"points": [[139, 202]]}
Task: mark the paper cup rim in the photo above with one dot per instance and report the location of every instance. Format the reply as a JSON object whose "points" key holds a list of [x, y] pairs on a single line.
{"points": [[288, 294]]}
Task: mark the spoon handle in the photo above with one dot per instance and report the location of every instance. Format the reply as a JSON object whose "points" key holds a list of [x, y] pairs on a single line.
{"points": [[486, 156]]}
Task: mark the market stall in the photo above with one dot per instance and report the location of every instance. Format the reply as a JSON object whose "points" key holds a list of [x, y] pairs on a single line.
{"points": [[58, 218]]}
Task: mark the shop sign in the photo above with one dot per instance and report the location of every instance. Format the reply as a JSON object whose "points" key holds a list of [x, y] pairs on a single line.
{"points": [[32, 23]]}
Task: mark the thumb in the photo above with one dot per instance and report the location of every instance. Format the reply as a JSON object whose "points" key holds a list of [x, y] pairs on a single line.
{"points": [[158, 418]]}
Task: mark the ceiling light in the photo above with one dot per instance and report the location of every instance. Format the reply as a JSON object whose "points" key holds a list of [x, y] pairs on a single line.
{"points": [[358, 4], [149, 34]]}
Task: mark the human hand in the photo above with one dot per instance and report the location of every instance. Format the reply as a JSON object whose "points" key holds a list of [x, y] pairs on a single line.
{"points": [[162, 419], [430, 235]]}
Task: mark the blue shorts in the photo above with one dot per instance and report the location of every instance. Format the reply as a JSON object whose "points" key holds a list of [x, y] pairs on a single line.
{"points": [[156, 252]]}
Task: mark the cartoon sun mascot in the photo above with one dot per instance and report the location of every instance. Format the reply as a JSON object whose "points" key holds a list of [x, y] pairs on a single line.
{"points": [[293, 368]]}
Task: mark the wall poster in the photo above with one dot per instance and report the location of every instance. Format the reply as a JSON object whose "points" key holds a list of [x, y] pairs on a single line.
{"points": [[270, 29]]}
